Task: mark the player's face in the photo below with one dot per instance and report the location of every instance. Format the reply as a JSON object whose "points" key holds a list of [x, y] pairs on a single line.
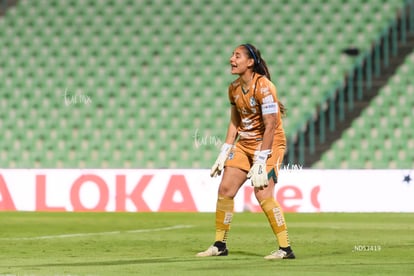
{"points": [[240, 62]]}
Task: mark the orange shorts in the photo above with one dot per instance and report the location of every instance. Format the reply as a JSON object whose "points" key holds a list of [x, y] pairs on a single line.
{"points": [[242, 157]]}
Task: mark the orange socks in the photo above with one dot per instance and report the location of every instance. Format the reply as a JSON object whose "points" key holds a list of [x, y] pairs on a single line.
{"points": [[276, 219], [224, 215], [271, 208]]}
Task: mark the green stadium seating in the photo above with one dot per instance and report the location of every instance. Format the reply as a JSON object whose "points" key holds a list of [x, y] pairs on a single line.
{"points": [[157, 71], [382, 137]]}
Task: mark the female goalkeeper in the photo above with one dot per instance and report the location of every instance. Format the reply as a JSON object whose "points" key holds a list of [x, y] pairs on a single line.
{"points": [[254, 148]]}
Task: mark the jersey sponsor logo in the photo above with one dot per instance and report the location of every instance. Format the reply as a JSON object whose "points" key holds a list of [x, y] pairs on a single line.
{"points": [[246, 135], [269, 108], [268, 99], [247, 123]]}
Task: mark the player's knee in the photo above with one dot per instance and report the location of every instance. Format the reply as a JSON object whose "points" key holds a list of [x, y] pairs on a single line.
{"points": [[262, 194], [226, 191]]}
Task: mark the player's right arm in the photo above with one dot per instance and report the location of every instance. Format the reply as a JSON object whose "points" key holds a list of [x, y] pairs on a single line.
{"points": [[228, 144], [233, 125]]}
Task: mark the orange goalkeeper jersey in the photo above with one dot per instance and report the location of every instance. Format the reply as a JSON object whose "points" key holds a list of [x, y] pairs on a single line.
{"points": [[258, 100]]}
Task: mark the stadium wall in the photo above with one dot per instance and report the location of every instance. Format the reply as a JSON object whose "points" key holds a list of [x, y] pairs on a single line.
{"points": [[113, 190]]}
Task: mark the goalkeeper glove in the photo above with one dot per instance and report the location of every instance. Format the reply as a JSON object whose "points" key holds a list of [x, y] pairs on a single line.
{"points": [[258, 173], [219, 164]]}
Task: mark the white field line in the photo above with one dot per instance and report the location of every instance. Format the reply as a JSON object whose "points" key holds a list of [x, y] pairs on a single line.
{"points": [[64, 236]]}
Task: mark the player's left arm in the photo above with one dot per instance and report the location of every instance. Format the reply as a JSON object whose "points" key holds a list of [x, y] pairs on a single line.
{"points": [[269, 121], [269, 107]]}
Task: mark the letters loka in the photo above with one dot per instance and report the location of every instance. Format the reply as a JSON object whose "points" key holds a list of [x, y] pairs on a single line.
{"points": [[177, 184]]}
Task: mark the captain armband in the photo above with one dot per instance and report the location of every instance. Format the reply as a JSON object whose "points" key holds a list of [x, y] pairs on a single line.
{"points": [[270, 108]]}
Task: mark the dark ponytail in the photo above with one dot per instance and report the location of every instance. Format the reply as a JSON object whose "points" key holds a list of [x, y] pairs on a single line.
{"points": [[261, 68]]}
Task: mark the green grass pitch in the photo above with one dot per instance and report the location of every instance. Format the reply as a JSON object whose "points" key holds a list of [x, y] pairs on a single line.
{"points": [[165, 244]]}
